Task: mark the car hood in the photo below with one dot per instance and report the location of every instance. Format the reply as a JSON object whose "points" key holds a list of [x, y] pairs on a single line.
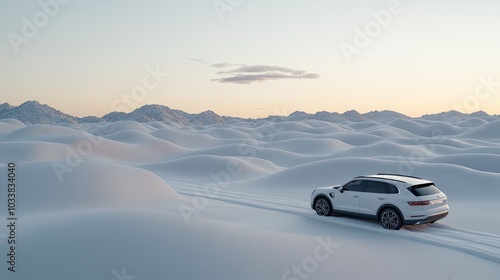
{"points": [[328, 188]]}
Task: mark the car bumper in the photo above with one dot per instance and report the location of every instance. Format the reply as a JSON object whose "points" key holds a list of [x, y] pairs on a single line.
{"points": [[426, 220]]}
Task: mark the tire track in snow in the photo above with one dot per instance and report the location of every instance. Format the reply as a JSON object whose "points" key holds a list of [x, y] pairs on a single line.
{"points": [[479, 244], [276, 203]]}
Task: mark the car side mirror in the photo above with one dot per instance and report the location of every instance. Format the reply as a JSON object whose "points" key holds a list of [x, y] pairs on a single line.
{"points": [[341, 190]]}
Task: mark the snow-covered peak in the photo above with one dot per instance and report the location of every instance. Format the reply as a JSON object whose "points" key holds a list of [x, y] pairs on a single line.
{"points": [[32, 112]]}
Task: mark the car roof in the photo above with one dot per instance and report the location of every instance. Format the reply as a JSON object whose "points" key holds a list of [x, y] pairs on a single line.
{"points": [[410, 180]]}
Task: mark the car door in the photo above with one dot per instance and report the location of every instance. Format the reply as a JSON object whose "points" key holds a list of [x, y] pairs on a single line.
{"points": [[373, 196], [347, 198]]}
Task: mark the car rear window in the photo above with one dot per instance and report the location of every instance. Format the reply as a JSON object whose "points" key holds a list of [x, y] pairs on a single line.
{"points": [[424, 189], [392, 189]]}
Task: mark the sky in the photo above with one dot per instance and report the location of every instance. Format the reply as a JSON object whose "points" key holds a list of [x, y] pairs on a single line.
{"points": [[252, 58]]}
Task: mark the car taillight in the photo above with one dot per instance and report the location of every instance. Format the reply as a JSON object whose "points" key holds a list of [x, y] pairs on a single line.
{"points": [[419, 203]]}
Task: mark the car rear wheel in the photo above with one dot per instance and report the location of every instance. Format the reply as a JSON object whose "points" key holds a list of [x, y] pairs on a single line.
{"points": [[390, 219], [322, 207]]}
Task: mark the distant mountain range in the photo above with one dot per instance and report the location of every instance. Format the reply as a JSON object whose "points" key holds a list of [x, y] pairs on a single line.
{"points": [[32, 112]]}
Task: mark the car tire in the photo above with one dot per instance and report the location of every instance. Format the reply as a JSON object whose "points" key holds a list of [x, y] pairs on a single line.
{"points": [[390, 219], [322, 206]]}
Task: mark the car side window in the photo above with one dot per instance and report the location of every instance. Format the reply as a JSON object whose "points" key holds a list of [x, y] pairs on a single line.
{"points": [[354, 186], [376, 187], [392, 189]]}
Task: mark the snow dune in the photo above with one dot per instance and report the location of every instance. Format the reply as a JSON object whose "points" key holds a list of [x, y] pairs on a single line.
{"points": [[164, 201], [483, 245]]}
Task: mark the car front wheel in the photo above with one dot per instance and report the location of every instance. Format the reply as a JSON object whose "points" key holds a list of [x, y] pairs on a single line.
{"points": [[322, 207], [390, 219]]}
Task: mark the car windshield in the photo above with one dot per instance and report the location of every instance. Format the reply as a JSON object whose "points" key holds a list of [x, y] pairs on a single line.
{"points": [[424, 189]]}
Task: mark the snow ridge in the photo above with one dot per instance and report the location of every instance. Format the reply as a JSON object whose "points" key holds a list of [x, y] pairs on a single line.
{"points": [[32, 112]]}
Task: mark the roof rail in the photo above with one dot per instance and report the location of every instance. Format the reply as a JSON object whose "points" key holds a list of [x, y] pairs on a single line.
{"points": [[391, 174], [369, 177]]}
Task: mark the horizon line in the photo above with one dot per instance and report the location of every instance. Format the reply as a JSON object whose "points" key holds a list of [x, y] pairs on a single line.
{"points": [[262, 117]]}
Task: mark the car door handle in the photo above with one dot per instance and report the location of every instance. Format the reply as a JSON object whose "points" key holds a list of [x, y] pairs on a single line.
{"points": [[355, 196], [381, 198]]}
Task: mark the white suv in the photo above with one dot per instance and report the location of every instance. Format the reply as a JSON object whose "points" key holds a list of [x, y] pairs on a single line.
{"points": [[395, 200]]}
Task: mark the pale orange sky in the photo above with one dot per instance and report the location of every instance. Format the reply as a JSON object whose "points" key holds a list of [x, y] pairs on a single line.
{"points": [[421, 57]]}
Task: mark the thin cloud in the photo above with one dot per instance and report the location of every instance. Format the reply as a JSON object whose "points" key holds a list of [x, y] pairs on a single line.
{"points": [[214, 64], [247, 74], [199, 60], [262, 69], [225, 65], [250, 78]]}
